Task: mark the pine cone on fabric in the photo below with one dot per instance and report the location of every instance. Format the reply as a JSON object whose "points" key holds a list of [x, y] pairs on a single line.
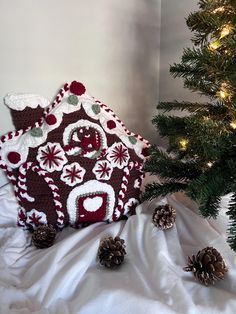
{"points": [[44, 236], [208, 266], [164, 217], [111, 252]]}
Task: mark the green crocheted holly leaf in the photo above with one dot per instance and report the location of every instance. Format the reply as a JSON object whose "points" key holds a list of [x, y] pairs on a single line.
{"points": [[73, 100], [96, 109], [132, 140], [36, 132]]}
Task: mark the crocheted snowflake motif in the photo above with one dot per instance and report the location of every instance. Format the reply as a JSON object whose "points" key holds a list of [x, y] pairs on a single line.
{"points": [[21, 217], [102, 170], [36, 218], [130, 206], [118, 155], [51, 157], [73, 174]]}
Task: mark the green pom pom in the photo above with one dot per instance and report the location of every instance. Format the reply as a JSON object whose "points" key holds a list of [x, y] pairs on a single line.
{"points": [[96, 109], [36, 132], [132, 140], [73, 100]]}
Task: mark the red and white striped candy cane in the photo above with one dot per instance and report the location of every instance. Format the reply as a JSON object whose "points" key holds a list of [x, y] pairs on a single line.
{"points": [[107, 109], [22, 193], [124, 184]]}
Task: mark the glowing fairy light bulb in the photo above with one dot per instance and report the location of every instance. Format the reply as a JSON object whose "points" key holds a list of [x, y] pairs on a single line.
{"points": [[225, 31], [183, 144], [233, 125], [210, 164], [215, 45], [219, 10], [224, 92]]}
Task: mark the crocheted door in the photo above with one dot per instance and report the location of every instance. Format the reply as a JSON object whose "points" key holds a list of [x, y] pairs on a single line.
{"points": [[77, 164]]}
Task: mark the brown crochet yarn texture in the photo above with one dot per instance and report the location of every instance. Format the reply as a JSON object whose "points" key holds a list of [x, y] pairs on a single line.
{"points": [[78, 164], [22, 119]]}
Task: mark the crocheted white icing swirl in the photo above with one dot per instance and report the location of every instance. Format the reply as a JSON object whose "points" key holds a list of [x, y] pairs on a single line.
{"points": [[19, 101]]}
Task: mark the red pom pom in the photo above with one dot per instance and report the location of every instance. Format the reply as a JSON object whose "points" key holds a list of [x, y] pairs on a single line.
{"points": [[145, 152], [111, 124], [77, 88], [14, 157], [51, 119]]}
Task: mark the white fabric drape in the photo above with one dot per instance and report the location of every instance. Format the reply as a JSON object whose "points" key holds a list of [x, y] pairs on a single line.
{"points": [[67, 279]]}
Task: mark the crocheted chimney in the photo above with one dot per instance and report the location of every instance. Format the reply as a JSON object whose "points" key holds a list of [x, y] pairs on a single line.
{"points": [[25, 109], [75, 164]]}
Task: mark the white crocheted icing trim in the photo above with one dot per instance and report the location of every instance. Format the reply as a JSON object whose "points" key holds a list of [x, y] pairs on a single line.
{"points": [[19, 101]]}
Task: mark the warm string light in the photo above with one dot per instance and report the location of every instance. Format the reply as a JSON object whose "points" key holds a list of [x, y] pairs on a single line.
{"points": [[233, 125], [215, 45], [183, 144], [219, 10], [210, 164], [226, 30], [224, 92]]}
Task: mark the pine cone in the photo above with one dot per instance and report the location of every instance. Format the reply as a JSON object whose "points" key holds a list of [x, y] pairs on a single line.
{"points": [[164, 216], [44, 236], [208, 266], [111, 252]]}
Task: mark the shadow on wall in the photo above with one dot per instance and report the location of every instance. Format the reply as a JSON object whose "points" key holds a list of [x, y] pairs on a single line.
{"points": [[141, 72]]}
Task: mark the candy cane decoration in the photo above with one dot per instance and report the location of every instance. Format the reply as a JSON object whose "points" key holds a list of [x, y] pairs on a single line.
{"points": [[22, 193], [58, 99], [124, 185], [107, 109], [39, 123], [10, 176]]}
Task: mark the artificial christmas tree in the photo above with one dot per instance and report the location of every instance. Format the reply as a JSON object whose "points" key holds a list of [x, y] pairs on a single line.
{"points": [[201, 156]]}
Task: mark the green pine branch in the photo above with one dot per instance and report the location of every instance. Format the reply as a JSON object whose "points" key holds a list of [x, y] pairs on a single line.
{"points": [[215, 111], [232, 226], [205, 22], [153, 190], [201, 155], [169, 125], [210, 186], [167, 167], [185, 105], [203, 71], [210, 208]]}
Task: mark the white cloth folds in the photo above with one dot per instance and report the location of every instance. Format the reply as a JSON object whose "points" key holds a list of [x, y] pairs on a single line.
{"points": [[66, 278]]}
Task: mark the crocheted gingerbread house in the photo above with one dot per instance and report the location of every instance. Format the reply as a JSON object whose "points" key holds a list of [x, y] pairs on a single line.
{"points": [[76, 164]]}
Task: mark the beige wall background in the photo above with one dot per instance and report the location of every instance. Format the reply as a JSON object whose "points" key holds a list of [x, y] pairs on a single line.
{"points": [[121, 50], [111, 46], [175, 36]]}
